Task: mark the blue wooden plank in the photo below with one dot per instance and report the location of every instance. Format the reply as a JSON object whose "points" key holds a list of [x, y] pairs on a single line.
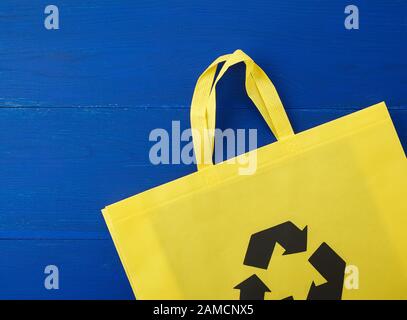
{"points": [[150, 53], [77, 106], [59, 167], [88, 269], [52, 190]]}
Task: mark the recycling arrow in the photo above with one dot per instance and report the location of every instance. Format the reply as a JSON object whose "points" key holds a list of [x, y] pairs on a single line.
{"points": [[325, 260], [261, 244], [252, 288], [332, 268]]}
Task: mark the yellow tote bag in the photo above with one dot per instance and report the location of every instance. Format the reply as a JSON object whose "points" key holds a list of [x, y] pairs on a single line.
{"points": [[323, 216]]}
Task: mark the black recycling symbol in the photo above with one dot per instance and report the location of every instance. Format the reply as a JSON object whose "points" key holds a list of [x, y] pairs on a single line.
{"points": [[294, 240]]}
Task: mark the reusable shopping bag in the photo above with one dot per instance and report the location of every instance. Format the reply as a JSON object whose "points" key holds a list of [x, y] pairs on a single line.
{"points": [[323, 216]]}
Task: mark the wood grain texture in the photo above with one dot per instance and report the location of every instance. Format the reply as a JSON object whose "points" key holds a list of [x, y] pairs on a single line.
{"points": [[77, 106], [150, 53], [88, 269], [60, 167]]}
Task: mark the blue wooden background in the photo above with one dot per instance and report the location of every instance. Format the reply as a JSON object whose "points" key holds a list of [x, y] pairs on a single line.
{"points": [[77, 106]]}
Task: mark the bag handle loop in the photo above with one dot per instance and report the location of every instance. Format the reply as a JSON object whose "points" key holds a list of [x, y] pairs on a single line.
{"points": [[260, 90]]}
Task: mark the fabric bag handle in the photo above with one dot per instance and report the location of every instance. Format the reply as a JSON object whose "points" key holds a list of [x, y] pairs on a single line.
{"points": [[260, 90]]}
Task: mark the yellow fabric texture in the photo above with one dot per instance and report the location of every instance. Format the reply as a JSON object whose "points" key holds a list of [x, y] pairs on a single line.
{"points": [[342, 183]]}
